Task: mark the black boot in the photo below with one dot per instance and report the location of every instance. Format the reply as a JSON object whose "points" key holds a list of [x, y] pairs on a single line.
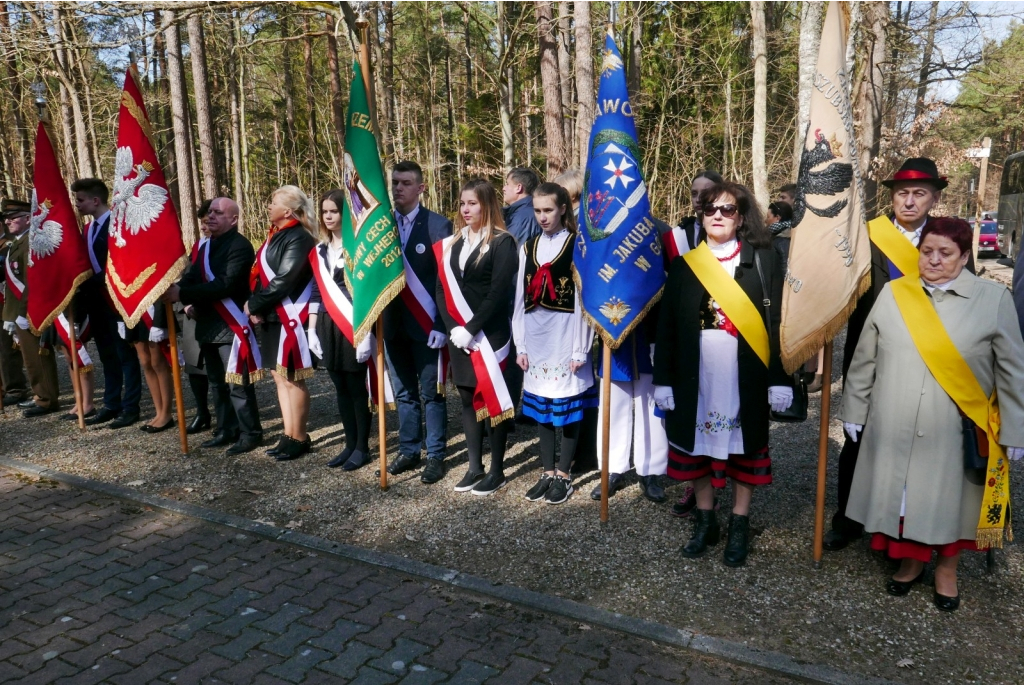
{"points": [[706, 533], [736, 546]]}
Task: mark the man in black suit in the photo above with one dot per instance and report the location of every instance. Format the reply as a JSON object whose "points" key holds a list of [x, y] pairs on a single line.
{"points": [[414, 332], [120, 362], [231, 257], [915, 189]]}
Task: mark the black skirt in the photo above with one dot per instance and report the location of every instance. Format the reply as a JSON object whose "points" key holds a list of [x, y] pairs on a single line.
{"points": [[339, 355]]}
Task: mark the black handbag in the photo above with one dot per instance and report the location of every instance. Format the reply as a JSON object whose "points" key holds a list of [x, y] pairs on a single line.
{"points": [[797, 411], [975, 451]]}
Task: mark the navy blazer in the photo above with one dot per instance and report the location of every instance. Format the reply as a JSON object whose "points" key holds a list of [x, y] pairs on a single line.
{"points": [[427, 229], [99, 248]]}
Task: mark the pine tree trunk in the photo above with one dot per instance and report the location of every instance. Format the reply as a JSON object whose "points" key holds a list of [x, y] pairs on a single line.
{"points": [[635, 34], [242, 120], [69, 95], [387, 75], [311, 85], [926, 61], [550, 83], [810, 41], [505, 95], [20, 163], [759, 169], [584, 81], [204, 118], [337, 108], [870, 96], [163, 113], [288, 84], [236, 125], [182, 132], [565, 78]]}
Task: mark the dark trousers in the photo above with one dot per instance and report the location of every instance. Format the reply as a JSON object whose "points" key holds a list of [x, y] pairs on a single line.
{"points": [[238, 415], [119, 359], [354, 407], [847, 465], [12, 375], [413, 368]]}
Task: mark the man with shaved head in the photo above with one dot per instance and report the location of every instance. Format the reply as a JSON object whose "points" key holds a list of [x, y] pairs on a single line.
{"points": [[217, 287]]}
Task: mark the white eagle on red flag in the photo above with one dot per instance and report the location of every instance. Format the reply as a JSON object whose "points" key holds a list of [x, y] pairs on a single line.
{"points": [[135, 204], [44, 236]]}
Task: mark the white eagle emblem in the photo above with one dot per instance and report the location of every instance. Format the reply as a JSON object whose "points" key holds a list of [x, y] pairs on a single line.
{"points": [[44, 237], [135, 204]]}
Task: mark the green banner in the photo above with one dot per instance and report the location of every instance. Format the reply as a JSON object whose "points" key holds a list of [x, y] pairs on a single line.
{"points": [[373, 261]]}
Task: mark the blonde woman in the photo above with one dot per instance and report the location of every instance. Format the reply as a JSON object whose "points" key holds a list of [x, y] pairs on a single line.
{"points": [[477, 270], [282, 282]]}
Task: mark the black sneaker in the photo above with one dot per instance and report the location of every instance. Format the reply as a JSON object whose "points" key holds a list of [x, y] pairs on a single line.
{"points": [[468, 481], [433, 472], [561, 488], [537, 491], [491, 483]]}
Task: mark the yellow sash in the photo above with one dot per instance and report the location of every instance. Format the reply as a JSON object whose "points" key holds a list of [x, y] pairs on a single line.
{"points": [[894, 245], [953, 374], [731, 298]]}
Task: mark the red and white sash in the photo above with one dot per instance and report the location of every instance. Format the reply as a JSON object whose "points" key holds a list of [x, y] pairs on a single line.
{"points": [[64, 331], [244, 358], [292, 347], [491, 398], [675, 244], [421, 305], [17, 287], [165, 345], [339, 308]]}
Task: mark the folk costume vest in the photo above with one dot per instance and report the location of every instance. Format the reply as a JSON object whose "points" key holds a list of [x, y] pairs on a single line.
{"points": [[550, 285]]}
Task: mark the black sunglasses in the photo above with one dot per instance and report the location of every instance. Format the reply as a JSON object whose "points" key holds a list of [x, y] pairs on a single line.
{"points": [[728, 211]]}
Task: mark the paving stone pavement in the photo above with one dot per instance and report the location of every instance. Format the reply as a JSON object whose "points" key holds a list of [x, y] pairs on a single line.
{"points": [[94, 589]]}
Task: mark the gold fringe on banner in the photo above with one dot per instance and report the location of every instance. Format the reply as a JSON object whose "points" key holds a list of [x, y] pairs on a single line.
{"points": [[79, 280], [605, 336], [826, 333], [383, 300]]}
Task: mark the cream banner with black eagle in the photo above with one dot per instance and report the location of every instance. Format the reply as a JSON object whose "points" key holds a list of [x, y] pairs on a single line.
{"points": [[829, 255]]}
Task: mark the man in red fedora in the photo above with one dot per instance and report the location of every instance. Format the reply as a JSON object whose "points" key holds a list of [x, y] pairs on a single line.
{"points": [[914, 189]]}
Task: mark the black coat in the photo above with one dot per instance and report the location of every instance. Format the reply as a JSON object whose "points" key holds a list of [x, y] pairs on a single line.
{"points": [[677, 352], [879, 271], [287, 254], [489, 286], [428, 228], [339, 355], [231, 258]]}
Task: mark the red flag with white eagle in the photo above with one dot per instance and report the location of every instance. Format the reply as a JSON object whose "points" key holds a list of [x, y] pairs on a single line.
{"points": [[145, 250], [57, 258]]}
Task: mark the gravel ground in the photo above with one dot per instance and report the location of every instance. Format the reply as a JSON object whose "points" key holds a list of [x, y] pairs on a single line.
{"points": [[839, 614]]}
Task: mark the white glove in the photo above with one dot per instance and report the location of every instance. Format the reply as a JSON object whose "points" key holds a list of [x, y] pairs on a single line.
{"points": [[314, 343], [436, 340], [1015, 453], [664, 397], [121, 331], [157, 335], [365, 349], [9, 327], [22, 323], [853, 430], [461, 338], [780, 397]]}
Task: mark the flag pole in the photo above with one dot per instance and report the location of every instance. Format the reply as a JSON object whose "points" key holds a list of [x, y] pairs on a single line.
{"points": [[606, 424], [76, 381], [382, 433], [826, 406], [172, 337]]}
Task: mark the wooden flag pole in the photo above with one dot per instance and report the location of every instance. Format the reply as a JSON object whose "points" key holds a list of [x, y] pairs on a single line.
{"points": [[606, 425], [826, 406], [172, 337], [76, 381]]}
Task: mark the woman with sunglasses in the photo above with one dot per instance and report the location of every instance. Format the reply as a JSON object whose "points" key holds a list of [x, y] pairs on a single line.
{"points": [[717, 369]]}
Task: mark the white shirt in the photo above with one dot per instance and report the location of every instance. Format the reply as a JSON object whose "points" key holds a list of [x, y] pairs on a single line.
{"points": [[467, 249], [405, 222], [93, 231], [913, 236]]}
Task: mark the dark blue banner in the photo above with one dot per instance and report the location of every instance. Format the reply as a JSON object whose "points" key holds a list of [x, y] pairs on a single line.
{"points": [[619, 267]]}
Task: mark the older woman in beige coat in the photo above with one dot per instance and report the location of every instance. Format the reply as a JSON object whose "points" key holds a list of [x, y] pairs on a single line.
{"points": [[910, 487]]}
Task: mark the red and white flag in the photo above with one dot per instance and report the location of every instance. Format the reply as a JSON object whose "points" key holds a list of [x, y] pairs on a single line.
{"points": [[145, 250], [58, 261]]}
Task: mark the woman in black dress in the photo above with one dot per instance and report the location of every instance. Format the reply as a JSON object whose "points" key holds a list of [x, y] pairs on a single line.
{"points": [[482, 261], [282, 285], [149, 338], [345, 364]]}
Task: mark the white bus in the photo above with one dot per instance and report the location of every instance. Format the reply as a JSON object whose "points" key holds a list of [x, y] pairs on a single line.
{"points": [[1011, 205]]}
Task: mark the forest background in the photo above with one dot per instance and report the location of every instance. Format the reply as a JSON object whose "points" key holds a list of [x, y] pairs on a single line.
{"points": [[248, 96]]}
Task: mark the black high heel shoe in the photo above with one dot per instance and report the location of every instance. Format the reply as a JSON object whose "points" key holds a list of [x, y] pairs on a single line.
{"points": [[199, 424], [900, 588], [945, 603], [146, 428]]}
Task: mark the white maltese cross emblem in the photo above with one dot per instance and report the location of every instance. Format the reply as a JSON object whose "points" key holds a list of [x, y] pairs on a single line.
{"points": [[136, 204], [44, 237]]}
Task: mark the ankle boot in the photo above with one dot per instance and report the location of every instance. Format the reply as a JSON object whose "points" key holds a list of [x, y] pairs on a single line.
{"points": [[736, 546], [706, 533]]}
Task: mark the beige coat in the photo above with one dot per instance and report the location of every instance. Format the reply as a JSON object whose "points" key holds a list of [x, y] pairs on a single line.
{"points": [[912, 435]]}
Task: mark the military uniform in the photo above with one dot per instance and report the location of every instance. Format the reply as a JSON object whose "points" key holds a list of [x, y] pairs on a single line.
{"points": [[12, 376]]}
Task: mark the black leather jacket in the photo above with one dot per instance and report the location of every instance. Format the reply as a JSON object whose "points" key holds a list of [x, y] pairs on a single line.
{"points": [[288, 256]]}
